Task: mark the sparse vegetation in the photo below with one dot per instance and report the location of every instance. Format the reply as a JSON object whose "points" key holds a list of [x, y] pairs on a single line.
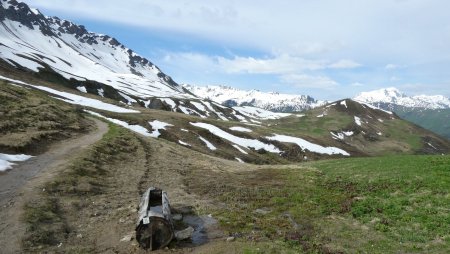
{"points": [[66, 197], [378, 205], [30, 119]]}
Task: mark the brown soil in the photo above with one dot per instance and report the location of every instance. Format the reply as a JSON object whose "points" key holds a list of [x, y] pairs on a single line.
{"points": [[19, 184]]}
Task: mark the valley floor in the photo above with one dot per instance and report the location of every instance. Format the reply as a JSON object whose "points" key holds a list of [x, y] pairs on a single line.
{"points": [[376, 205]]}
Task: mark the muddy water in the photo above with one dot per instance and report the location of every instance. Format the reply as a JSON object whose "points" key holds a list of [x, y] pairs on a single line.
{"points": [[206, 228]]}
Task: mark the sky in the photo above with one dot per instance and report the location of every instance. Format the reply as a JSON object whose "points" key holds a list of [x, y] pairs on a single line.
{"points": [[328, 49]]}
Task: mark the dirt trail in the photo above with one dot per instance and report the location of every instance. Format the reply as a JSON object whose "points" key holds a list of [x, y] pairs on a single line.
{"points": [[16, 183]]}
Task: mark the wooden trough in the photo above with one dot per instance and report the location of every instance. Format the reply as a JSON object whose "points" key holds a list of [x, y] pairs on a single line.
{"points": [[154, 228]]}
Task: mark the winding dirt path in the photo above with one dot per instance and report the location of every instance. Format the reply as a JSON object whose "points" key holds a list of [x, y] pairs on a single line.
{"points": [[17, 183]]}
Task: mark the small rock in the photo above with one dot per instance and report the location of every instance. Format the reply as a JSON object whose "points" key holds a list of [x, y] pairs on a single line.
{"points": [[177, 217], [263, 210], [79, 236], [184, 234], [127, 238], [230, 239]]}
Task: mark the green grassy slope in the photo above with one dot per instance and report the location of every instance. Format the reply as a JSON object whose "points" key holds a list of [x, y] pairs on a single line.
{"points": [[393, 204], [437, 121]]}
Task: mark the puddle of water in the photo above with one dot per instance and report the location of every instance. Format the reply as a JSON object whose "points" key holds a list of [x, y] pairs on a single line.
{"points": [[206, 227]]}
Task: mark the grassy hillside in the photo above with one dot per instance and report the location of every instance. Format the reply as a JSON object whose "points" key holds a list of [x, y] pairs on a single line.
{"points": [[352, 127], [437, 120], [29, 119], [375, 205]]}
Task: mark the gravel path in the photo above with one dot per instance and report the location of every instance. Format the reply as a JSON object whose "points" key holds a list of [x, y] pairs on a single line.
{"points": [[15, 183]]}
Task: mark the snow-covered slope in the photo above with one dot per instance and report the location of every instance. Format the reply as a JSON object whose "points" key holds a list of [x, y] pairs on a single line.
{"points": [[271, 101], [33, 41], [388, 97], [61, 52]]}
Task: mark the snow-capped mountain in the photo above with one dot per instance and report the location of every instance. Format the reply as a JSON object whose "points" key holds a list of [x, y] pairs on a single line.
{"points": [[31, 41], [58, 51], [277, 102], [389, 97]]}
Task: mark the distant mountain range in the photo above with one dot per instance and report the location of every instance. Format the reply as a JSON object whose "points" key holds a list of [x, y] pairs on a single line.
{"points": [[389, 98], [273, 101], [430, 112]]}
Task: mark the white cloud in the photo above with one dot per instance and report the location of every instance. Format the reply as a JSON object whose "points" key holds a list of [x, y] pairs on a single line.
{"points": [[307, 81], [357, 84], [278, 65], [281, 64], [359, 27], [275, 65], [344, 64]]}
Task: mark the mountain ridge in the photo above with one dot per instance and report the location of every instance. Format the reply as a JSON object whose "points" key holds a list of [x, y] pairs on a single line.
{"points": [[77, 54], [387, 97], [273, 101]]}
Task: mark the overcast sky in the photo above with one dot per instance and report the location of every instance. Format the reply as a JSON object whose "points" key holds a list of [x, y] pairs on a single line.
{"points": [[329, 49]]}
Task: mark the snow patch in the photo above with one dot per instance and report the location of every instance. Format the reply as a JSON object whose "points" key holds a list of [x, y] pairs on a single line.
{"points": [[432, 146], [358, 120], [306, 145], [240, 149], [259, 113], [183, 143], [341, 135], [240, 129], [170, 102], [135, 128], [156, 126], [76, 99], [373, 107], [239, 159], [101, 92], [199, 106], [337, 135], [5, 160], [207, 143], [81, 89], [344, 103], [128, 98], [253, 143]]}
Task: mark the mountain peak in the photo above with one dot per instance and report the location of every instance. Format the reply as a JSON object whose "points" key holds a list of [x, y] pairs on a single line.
{"points": [[393, 96], [34, 42]]}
